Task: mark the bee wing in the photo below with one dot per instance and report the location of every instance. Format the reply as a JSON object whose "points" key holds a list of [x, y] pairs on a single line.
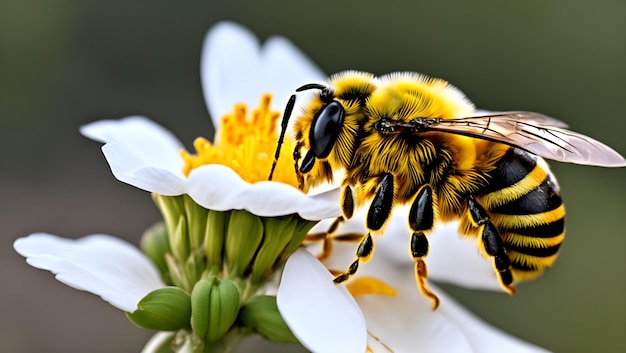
{"points": [[535, 133], [529, 117]]}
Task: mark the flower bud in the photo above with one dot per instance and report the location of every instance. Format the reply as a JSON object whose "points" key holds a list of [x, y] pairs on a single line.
{"points": [[197, 218], [215, 305], [278, 233], [164, 309], [179, 239], [214, 238], [243, 236]]}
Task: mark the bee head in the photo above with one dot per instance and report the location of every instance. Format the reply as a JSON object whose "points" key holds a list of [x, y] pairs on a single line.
{"points": [[325, 126]]}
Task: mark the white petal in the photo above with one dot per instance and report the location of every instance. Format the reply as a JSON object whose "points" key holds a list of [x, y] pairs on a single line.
{"points": [[141, 153], [128, 168], [324, 317], [450, 259], [483, 337], [457, 260], [229, 69], [218, 187], [407, 322], [103, 265], [236, 69], [286, 68]]}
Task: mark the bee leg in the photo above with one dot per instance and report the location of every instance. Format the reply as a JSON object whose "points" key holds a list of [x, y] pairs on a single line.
{"points": [[326, 238], [348, 200], [378, 213], [494, 246], [421, 219], [296, 158], [347, 208]]}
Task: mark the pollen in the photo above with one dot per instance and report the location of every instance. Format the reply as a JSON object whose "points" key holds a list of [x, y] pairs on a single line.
{"points": [[369, 285], [246, 143]]}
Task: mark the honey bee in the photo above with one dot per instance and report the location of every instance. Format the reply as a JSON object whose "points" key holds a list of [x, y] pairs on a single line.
{"points": [[406, 138]]}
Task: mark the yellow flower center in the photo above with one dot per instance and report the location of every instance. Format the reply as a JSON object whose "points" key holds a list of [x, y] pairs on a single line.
{"points": [[369, 285], [246, 144]]}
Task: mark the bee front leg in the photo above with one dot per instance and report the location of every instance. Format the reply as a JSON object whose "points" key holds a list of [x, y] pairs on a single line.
{"points": [[296, 164], [326, 238], [377, 215], [494, 246], [348, 201], [421, 219]]}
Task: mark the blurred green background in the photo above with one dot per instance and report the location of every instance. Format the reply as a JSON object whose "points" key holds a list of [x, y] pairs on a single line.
{"points": [[66, 63]]}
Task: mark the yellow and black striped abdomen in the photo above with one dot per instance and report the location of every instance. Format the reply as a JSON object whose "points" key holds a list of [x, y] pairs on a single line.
{"points": [[523, 202]]}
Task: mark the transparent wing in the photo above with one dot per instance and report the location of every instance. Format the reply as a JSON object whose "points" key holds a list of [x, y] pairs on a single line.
{"points": [[529, 117], [535, 133]]}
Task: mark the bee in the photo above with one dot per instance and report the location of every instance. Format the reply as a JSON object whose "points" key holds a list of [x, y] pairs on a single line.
{"points": [[409, 139]]}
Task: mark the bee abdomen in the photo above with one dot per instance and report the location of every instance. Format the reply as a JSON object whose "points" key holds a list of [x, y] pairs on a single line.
{"points": [[524, 203]]}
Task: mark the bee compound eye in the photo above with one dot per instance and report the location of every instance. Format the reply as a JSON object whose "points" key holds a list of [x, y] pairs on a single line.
{"points": [[325, 128]]}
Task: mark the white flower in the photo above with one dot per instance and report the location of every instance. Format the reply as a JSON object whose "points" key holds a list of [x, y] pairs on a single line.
{"points": [[142, 153]]}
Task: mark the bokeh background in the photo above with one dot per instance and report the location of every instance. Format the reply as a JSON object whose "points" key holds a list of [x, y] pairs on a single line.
{"points": [[66, 63]]}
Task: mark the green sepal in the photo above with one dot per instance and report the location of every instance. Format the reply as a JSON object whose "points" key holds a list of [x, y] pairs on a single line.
{"points": [[215, 305], [302, 229], [277, 234], [179, 240], [196, 222], [214, 237], [176, 272], [171, 208], [261, 315], [164, 309], [244, 234], [155, 244], [194, 269]]}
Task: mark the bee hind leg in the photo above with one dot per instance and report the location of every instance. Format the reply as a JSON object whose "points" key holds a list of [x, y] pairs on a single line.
{"points": [[377, 215], [494, 246], [421, 219]]}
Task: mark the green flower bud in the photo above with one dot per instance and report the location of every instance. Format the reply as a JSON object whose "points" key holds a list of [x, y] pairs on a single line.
{"points": [[179, 239], [196, 222], [224, 307], [261, 315], [164, 309], [177, 275], [215, 305], [194, 269], [200, 306], [171, 208], [155, 244], [302, 229], [214, 237], [243, 236], [277, 234]]}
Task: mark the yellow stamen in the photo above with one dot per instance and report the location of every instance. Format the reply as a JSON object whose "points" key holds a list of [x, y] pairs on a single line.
{"points": [[246, 144], [369, 285]]}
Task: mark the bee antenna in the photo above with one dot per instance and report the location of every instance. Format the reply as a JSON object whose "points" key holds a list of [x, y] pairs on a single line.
{"points": [[283, 130], [311, 86]]}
